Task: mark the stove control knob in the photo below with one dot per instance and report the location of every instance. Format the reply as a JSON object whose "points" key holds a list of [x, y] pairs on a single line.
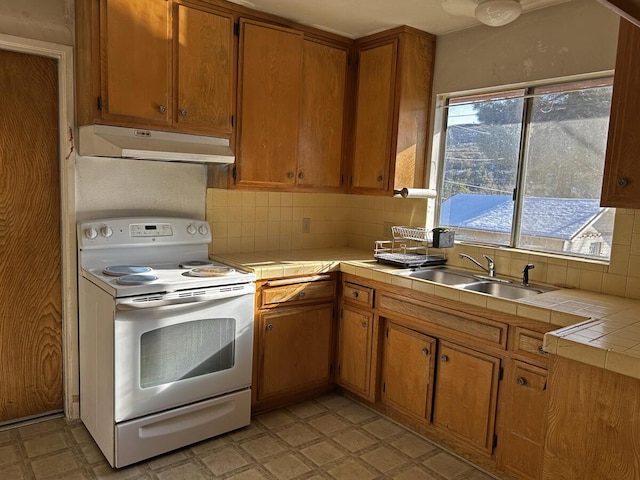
{"points": [[106, 231], [191, 229], [91, 233], [203, 230]]}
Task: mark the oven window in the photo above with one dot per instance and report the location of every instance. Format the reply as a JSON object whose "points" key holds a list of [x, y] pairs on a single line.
{"points": [[187, 350]]}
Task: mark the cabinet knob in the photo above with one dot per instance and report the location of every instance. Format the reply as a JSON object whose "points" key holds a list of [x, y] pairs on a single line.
{"points": [[444, 358], [301, 295], [290, 175], [541, 350], [301, 175], [521, 381], [379, 179], [183, 112], [270, 326], [355, 294], [424, 351], [622, 182], [162, 108], [365, 324]]}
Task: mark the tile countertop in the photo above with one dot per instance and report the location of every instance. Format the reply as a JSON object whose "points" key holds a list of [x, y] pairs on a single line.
{"points": [[596, 329]]}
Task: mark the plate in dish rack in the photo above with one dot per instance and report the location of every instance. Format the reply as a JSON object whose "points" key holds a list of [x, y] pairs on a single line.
{"points": [[211, 271]]}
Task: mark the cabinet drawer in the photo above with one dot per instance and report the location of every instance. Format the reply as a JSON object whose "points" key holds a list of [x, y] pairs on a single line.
{"points": [[529, 343], [358, 294], [299, 292]]}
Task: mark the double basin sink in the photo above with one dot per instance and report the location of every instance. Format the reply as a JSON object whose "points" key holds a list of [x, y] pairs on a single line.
{"points": [[476, 283]]}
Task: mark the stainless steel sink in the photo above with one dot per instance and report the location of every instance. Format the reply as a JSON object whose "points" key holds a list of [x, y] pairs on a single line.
{"points": [[503, 290], [477, 283], [444, 275]]}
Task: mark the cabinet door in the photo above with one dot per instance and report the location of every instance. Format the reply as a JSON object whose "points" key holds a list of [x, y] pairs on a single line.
{"points": [[355, 336], [621, 180], [374, 116], [408, 371], [320, 140], [521, 445], [135, 39], [269, 105], [465, 394], [295, 349], [205, 71]]}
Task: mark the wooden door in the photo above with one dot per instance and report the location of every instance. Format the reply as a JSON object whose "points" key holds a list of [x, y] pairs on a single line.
{"points": [[355, 336], [205, 71], [135, 41], [374, 116], [521, 445], [322, 110], [30, 292], [465, 394], [408, 371], [269, 105], [295, 349], [621, 179]]}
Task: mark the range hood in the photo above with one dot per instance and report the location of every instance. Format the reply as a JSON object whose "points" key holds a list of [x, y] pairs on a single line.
{"points": [[121, 142]]}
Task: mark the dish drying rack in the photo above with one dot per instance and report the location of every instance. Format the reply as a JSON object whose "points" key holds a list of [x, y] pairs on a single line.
{"points": [[408, 248]]}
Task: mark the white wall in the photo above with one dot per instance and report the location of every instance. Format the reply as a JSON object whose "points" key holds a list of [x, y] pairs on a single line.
{"points": [[47, 20], [575, 37], [109, 187]]}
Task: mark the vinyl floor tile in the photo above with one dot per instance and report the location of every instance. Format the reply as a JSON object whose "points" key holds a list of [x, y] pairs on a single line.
{"points": [[328, 438]]}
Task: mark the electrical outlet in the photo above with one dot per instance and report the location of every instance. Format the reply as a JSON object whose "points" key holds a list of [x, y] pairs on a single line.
{"points": [[306, 225], [387, 229]]}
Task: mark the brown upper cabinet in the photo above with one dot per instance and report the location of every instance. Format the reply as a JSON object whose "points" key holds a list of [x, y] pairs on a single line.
{"points": [[291, 100], [163, 64], [621, 179], [393, 99]]}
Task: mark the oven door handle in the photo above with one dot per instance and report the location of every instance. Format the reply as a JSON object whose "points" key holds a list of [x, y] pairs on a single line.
{"points": [[179, 299]]}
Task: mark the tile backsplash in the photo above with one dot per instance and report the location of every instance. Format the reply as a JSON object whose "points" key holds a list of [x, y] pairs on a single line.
{"points": [[273, 221]]}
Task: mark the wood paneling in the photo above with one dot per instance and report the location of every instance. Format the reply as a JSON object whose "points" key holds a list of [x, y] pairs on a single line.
{"points": [[374, 113], [465, 394], [205, 70], [521, 442], [295, 348], [322, 108], [593, 427], [136, 60], [355, 334], [407, 372], [269, 104], [30, 291], [621, 179]]}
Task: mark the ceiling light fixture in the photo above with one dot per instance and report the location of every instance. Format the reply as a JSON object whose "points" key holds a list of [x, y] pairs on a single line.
{"points": [[496, 13]]}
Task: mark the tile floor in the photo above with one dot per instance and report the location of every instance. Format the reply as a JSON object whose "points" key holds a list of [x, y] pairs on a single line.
{"points": [[331, 437]]}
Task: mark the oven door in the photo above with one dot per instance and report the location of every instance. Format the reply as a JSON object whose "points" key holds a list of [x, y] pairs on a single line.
{"points": [[174, 349]]}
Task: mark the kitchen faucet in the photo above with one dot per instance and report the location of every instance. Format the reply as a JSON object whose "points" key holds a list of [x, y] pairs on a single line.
{"points": [[490, 268], [525, 273]]}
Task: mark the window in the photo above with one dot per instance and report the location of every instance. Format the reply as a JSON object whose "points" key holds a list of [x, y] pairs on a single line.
{"points": [[523, 168]]}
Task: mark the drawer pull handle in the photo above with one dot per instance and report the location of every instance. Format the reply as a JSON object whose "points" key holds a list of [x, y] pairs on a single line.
{"points": [[622, 182], [521, 381], [183, 112], [301, 295], [424, 351], [379, 178], [290, 175], [365, 324], [270, 326], [541, 350], [355, 294], [162, 108], [444, 358]]}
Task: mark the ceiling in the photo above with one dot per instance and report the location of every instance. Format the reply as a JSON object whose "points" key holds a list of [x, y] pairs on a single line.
{"points": [[357, 18]]}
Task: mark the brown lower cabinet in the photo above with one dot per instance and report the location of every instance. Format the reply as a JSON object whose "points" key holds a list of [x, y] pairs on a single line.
{"points": [[407, 371], [355, 332], [466, 391], [522, 438]]}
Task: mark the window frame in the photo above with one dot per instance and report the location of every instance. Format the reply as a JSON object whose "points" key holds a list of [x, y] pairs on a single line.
{"points": [[439, 147]]}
